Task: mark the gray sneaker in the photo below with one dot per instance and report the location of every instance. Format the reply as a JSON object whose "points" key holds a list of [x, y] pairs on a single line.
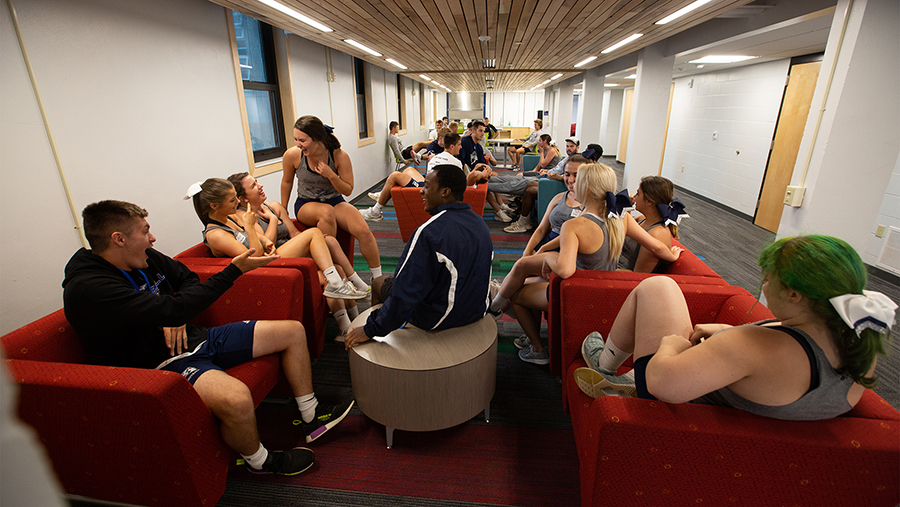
{"points": [[522, 342], [591, 348], [346, 291], [371, 215], [596, 384], [501, 216], [530, 356]]}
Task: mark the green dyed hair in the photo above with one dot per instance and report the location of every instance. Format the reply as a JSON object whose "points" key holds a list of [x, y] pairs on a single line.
{"points": [[820, 268]]}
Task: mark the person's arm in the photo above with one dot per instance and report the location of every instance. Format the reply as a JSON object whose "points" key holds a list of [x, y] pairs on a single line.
{"points": [[637, 233], [543, 228], [680, 372], [342, 179], [271, 230], [564, 264], [285, 217], [646, 261], [546, 157], [288, 167], [394, 141]]}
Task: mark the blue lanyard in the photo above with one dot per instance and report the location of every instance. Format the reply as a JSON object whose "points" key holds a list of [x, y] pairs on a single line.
{"points": [[131, 281]]}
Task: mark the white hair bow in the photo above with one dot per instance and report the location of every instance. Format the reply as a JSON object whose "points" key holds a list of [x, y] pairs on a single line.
{"points": [[869, 310], [192, 191]]}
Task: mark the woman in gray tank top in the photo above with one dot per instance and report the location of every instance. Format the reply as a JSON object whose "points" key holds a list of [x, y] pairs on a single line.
{"points": [[653, 198], [591, 241], [813, 362], [324, 173]]}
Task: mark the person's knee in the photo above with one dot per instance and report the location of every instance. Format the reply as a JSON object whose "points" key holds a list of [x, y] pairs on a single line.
{"points": [[656, 285], [327, 215], [235, 403]]}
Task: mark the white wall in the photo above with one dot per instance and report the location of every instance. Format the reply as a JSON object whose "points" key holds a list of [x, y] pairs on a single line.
{"points": [[742, 106], [888, 216], [610, 122], [142, 101], [516, 109]]}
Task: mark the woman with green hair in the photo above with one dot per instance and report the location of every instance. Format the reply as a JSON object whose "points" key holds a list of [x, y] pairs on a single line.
{"points": [[813, 361]]}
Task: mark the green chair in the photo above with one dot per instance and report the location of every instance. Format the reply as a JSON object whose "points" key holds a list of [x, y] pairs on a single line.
{"points": [[547, 190], [529, 162]]}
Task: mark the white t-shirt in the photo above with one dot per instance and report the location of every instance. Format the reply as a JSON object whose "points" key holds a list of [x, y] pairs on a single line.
{"points": [[443, 158]]}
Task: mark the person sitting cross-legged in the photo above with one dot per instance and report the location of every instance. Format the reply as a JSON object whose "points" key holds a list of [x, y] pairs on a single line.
{"points": [[131, 306]]}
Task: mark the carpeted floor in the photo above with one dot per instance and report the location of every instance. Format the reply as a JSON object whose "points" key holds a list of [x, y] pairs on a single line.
{"points": [[526, 454]]}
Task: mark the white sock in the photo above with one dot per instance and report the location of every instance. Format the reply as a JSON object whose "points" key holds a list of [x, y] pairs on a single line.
{"points": [[343, 321], [334, 279], [376, 271], [307, 405], [523, 220], [498, 303], [611, 357], [258, 458], [377, 207], [353, 312], [358, 282]]}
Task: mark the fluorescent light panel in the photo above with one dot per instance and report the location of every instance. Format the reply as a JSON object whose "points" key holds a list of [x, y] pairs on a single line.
{"points": [[395, 63], [610, 85], [586, 61], [681, 12], [360, 46], [556, 77], [296, 15], [423, 76], [723, 59], [622, 43]]}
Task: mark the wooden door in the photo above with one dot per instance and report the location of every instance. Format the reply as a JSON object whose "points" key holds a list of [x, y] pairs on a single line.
{"points": [[791, 123], [662, 155], [626, 124]]}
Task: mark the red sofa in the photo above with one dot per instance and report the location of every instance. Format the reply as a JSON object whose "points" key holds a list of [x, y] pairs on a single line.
{"points": [[688, 269], [642, 452], [315, 310], [133, 435], [411, 212]]}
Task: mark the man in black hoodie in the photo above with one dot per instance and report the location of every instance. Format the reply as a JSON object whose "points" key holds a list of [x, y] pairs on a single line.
{"points": [[130, 306]]}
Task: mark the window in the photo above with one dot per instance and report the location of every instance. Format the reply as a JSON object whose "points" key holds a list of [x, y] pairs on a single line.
{"points": [[422, 122], [401, 102], [364, 117], [259, 76]]}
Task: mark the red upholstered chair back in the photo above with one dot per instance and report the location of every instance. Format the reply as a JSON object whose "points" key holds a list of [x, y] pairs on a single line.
{"points": [[49, 339], [689, 264], [411, 209]]}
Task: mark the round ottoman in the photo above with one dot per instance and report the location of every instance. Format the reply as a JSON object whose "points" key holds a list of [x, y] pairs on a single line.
{"points": [[417, 380]]}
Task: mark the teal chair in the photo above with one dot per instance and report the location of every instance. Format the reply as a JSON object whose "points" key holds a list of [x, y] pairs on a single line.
{"points": [[529, 162], [547, 190]]}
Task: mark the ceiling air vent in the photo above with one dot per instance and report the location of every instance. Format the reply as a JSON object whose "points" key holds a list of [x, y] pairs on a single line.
{"points": [[890, 251], [488, 64]]}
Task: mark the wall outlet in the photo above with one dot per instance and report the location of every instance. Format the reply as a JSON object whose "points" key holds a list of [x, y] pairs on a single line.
{"points": [[879, 231], [793, 196], [715, 135], [682, 168]]}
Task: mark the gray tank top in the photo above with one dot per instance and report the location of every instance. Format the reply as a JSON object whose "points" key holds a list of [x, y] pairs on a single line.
{"points": [[826, 398], [631, 249], [598, 260], [241, 236], [282, 235], [554, 162], [312, 185], [562, 212]]}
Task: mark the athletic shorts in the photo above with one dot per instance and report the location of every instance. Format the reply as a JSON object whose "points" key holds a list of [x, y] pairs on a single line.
{"points": [[413, 184], [640, 377], [225, 347], [334, 201], [509, 184], [407, 153]]}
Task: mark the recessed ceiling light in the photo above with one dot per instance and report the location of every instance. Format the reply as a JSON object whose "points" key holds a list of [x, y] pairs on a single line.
{"points": [[296, 15], [484, 38], [586, 61], [423, 76], [556, 77], [488, 64], [360, 46], [681, 12], [622, 43], [633, 76], [723, 59], [395, 63], [610, 85]]}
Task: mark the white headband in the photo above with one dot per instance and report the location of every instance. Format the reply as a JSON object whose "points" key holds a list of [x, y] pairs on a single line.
{"points": [[869, 310], [192, 191]]}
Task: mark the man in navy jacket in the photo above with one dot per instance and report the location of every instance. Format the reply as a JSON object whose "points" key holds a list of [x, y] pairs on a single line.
{"points": [[443, 276]]}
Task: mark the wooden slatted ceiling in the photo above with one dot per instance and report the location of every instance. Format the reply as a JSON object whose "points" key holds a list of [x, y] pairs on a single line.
{"points": [[531, 40]]}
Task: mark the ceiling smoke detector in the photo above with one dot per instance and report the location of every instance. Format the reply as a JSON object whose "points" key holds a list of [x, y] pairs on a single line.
{"points": [[484, 38]]}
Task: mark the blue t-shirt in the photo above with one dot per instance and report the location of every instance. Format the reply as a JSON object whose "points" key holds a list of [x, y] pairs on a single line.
{"points": [[434, 148], [471, 153]]}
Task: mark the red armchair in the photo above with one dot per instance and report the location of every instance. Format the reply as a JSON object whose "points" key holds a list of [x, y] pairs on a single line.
{"points": [[641, 452], [411, 209], [133, 435], [315, 310]]}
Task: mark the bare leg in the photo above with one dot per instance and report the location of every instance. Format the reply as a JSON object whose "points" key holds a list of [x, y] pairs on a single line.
{"points": [[528, 303], [309, 243], [232, 404], [528, 198], [289, 338], [655, 308], [320, 216], [493, 201], [339, 257], [522, 269], [349, 219], [376, 290]]}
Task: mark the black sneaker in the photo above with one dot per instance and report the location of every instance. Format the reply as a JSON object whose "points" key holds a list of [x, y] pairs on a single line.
{"points": [[326, 418], [291, 462]]}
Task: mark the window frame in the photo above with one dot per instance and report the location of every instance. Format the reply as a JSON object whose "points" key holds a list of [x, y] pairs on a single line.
{"points": [[422, 123], [401, 104], [282, 62], [356, 64]]}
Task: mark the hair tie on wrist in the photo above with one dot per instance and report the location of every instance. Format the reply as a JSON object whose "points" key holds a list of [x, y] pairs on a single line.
{"points": [[192, 191], [869, 310], [328, 128], [672, 212], [616, 204]]}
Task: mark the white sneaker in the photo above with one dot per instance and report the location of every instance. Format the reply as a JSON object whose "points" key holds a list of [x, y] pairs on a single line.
{"points": [[501, 216], [518, 227], [371, 215], [346, 291], [596, 384], [418, 158], [340, 336], [374, 195], [505, 207]]}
